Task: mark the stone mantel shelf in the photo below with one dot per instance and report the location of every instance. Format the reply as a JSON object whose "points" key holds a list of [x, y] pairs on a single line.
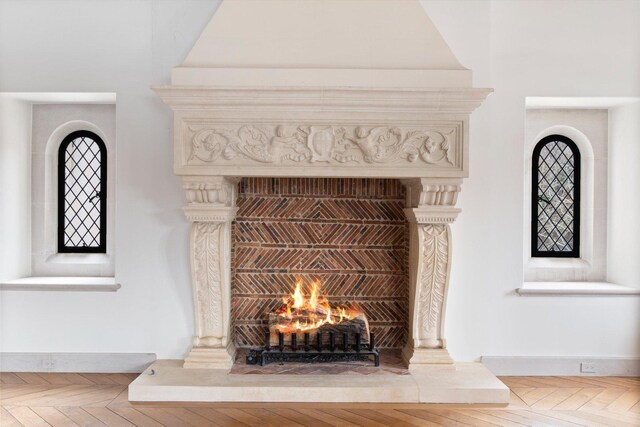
{"points": [[417, 100]]}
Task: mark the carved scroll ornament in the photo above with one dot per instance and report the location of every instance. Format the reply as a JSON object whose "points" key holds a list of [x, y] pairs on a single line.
{"points": [[330, 144]]}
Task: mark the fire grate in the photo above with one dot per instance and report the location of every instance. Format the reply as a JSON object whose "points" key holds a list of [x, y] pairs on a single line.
{"points": [[320, 351]]}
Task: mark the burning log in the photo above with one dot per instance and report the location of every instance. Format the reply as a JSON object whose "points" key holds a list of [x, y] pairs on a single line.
{"points": [[358, 324], [301, 315]]}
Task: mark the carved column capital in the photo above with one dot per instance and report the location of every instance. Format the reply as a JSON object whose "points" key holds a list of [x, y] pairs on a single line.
{"points": [[431, 200], [432, 192], [211, 190], [210, 198], [432, 215]]}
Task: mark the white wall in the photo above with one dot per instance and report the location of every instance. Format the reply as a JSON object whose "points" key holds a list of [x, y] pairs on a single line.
{"points": [[15, 190], [519, 48], [529, 48], [122, 47], [624, 195]]}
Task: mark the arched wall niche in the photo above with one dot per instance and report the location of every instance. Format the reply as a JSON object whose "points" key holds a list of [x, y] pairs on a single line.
{"points": [[93, 264], [563, 269]]}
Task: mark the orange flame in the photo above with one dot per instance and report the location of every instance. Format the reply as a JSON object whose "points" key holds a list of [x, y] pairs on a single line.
{"points": [[303, 314], [298, 299], [313, 299]]}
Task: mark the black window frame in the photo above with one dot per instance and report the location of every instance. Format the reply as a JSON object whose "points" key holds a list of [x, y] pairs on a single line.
{"points": [[575, 253], [62, 150]]}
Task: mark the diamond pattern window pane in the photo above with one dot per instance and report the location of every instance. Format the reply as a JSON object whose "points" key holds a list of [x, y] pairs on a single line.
{"points": [[82, 201], [556, 198]]}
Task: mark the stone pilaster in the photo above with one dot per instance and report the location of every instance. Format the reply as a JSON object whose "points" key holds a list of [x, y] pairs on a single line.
{"points": [[430, 210], [211, 208]]}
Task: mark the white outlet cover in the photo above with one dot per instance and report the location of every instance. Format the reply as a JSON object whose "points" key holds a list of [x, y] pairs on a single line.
{"points": [[588, 367]]}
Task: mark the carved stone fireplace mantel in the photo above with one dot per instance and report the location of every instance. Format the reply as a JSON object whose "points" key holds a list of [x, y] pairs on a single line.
{"points": [[373, 92], [417, 135]]}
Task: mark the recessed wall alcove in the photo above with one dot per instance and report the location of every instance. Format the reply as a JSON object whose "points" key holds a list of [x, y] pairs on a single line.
{"points": [[350, 234]]}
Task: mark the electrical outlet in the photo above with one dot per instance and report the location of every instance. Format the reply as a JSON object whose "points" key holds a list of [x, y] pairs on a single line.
{"points": [[588, 367], [48, 364]]}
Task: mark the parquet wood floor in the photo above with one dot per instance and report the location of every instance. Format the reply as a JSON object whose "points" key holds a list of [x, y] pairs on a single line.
{"points": [[39, 399]]}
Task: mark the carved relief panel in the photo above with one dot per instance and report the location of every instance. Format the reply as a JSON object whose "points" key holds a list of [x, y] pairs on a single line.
{"points": [[236, 149], [207, 279], [432, 285]]}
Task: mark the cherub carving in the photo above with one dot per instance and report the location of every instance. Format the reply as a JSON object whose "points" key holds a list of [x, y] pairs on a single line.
{"points": [[281, 144], [435, 150], [254, 143], [380, 144]]}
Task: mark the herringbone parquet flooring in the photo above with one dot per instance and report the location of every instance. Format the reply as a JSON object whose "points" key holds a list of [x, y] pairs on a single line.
{"points": [[31, 399]]}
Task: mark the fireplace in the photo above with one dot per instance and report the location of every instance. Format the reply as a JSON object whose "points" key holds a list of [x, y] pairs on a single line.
{"points": [[340, 243], [372, 95]]}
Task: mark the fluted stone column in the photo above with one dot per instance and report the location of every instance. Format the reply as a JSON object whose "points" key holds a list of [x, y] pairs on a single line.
{"points": [[211, 208], [430, 210]]}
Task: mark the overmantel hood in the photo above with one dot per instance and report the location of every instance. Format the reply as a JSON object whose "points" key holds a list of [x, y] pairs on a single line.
{"points": [[320, 43], [351, 88]]}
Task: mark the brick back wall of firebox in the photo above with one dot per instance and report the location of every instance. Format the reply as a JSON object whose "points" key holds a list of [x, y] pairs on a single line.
{"points": [[351, 234]]}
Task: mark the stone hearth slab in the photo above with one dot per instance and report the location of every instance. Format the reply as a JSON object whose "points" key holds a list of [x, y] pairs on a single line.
{"points": [[167, 381]]}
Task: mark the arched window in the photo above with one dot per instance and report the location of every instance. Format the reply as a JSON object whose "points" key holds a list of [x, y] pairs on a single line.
{"points": [[82, 193], [555, 217]]}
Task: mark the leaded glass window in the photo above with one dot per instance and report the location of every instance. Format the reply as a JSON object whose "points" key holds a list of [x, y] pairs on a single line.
{"points": [[82, 191], [555, 220]]}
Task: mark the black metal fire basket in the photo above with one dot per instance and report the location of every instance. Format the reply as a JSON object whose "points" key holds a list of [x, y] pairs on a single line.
{"points": [[333, 349]]}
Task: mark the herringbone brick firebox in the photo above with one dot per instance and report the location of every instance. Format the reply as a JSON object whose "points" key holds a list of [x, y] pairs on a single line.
{"points": [[351, 234]]}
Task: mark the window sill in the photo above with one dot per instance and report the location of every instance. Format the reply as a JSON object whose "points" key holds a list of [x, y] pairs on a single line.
{"points": [[574, 263], [575, 289], [74, 258], [62, 284]]}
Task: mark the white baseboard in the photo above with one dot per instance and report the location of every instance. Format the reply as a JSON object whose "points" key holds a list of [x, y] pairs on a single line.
{"points": [[562, 366], [76, 362]]}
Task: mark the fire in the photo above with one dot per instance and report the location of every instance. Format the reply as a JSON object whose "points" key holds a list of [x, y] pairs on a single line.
{"points": [[304, 311], [298, 299], [313, 299]]}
